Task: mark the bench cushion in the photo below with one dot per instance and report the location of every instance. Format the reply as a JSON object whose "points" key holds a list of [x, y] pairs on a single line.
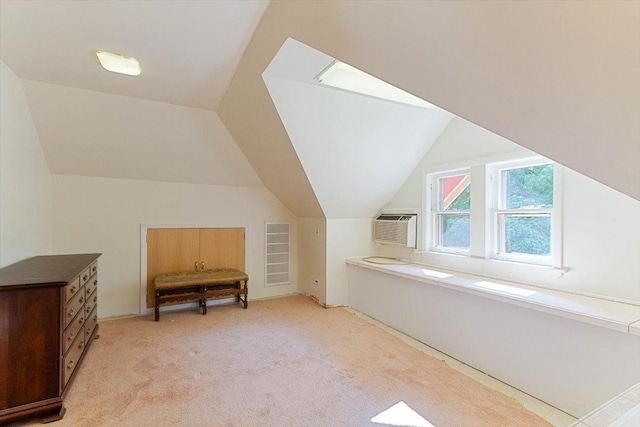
{"points": [[185, 279]]}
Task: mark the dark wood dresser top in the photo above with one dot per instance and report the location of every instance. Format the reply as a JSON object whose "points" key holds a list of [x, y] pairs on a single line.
{"points": [[46, 269]]}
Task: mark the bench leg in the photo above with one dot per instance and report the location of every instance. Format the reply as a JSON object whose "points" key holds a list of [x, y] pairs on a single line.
{"points": [[157, 306], [203, 299], [246, 295]]}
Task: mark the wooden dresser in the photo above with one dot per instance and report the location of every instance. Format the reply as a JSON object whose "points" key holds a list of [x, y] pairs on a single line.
{"points": [[48, 319]]}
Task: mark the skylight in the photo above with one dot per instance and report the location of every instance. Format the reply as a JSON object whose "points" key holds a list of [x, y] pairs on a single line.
{"points": [[344, 76], [119, 63]]}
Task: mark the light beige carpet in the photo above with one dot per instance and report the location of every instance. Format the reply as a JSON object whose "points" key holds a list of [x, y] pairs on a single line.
{"points": [[281, 362]]}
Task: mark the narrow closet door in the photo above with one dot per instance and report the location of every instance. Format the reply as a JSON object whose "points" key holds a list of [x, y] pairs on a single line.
{"points": [[222, 248], [170, 249]]}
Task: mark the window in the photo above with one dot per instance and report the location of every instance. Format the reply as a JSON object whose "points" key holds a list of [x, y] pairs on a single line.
{"points": [[523, 212], [512, 215], [451, 212]]}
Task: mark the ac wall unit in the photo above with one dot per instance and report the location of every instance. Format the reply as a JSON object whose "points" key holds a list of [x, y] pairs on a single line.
{"points": [[396, 229]]}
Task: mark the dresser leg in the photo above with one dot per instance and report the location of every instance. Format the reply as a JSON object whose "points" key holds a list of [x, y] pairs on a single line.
{"points": [[56, 416]]}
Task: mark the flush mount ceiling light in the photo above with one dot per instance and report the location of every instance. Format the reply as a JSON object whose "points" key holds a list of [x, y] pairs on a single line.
{"points": [[344, 76], [119, 63]]}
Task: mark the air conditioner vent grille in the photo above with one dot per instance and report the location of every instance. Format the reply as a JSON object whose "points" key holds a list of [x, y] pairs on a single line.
{"points": [[396, 229], [390, 232]]}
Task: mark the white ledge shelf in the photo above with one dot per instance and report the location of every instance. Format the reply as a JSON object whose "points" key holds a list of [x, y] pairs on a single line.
{"points": [[613, 315]]}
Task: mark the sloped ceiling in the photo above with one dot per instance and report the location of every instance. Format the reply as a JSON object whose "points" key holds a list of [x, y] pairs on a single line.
{"points": [[91, 133], [188, 50], [356, 150], [158, 126], [559, 78]]}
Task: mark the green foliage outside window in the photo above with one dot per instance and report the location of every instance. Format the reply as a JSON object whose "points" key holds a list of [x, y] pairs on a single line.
{"points": [[462, 202], [528, 235], [529, 188], [456, 229]]}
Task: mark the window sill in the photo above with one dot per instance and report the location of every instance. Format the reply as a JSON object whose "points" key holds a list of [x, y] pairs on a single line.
{"points": [[500, 269], [613, 315]]}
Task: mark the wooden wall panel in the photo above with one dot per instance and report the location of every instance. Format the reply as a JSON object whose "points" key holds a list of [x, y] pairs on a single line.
{"points": [[222, 248], [178, 249], [170, 249]]}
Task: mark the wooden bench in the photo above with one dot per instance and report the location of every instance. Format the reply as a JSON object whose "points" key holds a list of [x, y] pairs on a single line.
{"points": [[183, 286]]}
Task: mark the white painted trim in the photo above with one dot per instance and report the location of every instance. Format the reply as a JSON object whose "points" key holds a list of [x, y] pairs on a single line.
{"points": [[594, 311], [430, 207], [498, 195], [557, 218], [143, 256], [467, 163]]}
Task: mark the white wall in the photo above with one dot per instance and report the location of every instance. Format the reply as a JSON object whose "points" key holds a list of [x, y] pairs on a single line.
{"points": [[105, 215], [356, 150], [323, 248], [25, 181], [346, 238], [90, 133], [312, 257], [601, 227], [572, 365]]}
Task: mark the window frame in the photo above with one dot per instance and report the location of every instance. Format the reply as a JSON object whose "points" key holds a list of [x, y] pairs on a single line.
{"points": [[498, 209], [483, 218], [433, 212]]}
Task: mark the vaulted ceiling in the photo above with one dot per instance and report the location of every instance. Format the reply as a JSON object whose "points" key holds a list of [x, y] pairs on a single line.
{"points": [[357, 150], [188, 50], [559, 78]]}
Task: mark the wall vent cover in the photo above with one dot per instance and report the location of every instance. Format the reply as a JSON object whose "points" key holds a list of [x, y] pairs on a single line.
{"points": [[277, 254]]}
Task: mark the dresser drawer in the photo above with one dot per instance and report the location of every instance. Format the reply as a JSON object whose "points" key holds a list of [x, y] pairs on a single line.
{"points": [[94, 268], [73, 307], [85, 275], [90, 323], [91, 285], [70, 361], [92, 301], [71, 289], [72, 331]]}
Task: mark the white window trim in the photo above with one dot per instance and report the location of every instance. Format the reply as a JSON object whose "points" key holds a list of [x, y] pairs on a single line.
{"points": [[432, 211], [479, 260], [555, 258]]}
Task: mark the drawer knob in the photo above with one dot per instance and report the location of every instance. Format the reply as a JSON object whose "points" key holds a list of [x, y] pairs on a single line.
{"points": [[81, 300], [88, 310], [73, 289], [85, 277], [71, 313], [95, 282], [80, 345], [95, 299], [94, 268], [80, 321], [70, 365], [70, 338]]}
